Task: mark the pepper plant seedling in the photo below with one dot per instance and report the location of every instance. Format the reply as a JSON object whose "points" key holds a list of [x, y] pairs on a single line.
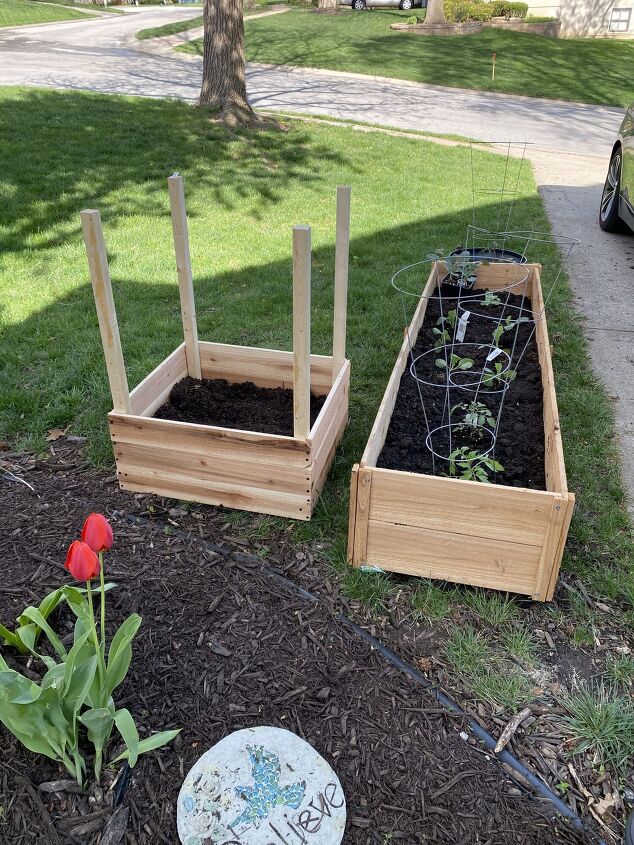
{"points": [[442, 335], [472, 465], [507, 325], [461, 268], [455, 363], [476, 415], [499, 375], [489, 299]]}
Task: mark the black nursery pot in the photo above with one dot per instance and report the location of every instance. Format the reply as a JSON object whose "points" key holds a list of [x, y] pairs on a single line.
{"points": [[459, 282], [493, 254]]}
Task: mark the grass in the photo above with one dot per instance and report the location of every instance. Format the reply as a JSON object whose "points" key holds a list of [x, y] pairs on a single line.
{"points": [[601, 722], [244, 192], [172, 28], [467, 650], [175, 27], [494, 608], [620, 670], [431, 601], [582, 70], [21, 12], [520, 642], [473, 656]]}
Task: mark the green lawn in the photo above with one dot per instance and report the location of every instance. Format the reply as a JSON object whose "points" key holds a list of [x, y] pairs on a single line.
{"points": [[20, 12], [182, 26], [583, 70], [62, 152], [170, 28]]}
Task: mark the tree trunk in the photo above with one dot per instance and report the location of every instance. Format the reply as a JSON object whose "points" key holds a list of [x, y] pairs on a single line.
{"points": [[435, 12], [224, 84]]}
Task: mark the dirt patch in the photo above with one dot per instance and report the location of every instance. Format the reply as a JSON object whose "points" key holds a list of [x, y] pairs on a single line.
{"points": [[243, 406], [236, 649], [520, 435]]}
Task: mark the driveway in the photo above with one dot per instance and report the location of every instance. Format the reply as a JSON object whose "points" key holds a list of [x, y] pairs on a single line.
{"points": [[570, 145]]}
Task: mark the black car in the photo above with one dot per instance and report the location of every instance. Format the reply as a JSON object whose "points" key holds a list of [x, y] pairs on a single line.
{"points": [[617, 201]]}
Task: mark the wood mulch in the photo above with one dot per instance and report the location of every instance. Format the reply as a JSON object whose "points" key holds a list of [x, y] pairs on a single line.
{"points": [[224, 645]]}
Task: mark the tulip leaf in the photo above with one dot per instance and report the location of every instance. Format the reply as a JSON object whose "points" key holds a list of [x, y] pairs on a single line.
{"points": [[27, 636], [9, 637], [80, 664], [120, 653], [127, 729], [34, 717], [53, 677], [46, 606], [98, 722], [149, 744], [34, 615]]}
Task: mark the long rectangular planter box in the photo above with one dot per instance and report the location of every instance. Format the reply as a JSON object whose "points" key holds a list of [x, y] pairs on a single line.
{"points": [[487, 535]]}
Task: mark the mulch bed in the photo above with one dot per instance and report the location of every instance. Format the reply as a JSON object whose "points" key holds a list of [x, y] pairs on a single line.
{"points": [[226, 645], [244, 406], [520, 437]]}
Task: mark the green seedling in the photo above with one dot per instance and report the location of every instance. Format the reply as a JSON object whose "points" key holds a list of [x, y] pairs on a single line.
{"points": [[489, 299], [498, 375], [455, 363], [461, 268], [442, 338], [507, 325], [472, 465], [476, 415]]}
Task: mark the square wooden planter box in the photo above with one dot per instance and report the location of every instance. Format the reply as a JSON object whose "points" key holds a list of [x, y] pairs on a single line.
{"points": [[248, 470], [505, 538]]}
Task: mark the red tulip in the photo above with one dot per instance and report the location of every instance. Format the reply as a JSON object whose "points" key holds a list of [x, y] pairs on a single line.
{"points": [[97, 533], [81, 561]]}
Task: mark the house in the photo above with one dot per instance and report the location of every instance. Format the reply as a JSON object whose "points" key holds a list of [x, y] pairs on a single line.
{"points": [[605, 18]]}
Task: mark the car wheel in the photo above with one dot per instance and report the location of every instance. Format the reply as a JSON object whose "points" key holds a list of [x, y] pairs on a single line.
{"points": [[358, 5], [609, 219], [406, 5]]}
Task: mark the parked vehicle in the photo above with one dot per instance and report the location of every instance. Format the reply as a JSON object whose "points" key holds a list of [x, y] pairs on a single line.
{"points": [[617, 201], [359, 5]]}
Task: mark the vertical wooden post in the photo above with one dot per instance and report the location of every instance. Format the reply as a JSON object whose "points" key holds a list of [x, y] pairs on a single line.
{"points": [[184, 271], [301, 331], [106, 313], [342, 249]]}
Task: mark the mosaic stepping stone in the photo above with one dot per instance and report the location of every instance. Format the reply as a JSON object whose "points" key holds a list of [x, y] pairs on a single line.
{"points": [[261, 786]]}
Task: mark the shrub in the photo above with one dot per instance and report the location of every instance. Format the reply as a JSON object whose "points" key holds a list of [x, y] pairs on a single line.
{"points": [[412, 20], [509, 9], [460, 11]]}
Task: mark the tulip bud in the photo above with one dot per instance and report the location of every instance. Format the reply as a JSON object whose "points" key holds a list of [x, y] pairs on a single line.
{"points": [[97, 533], [81, 561]]}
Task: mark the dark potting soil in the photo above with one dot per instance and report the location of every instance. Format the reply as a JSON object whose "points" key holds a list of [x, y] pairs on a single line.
{"points": [[223, 645], [520, 437], [244, 406]]}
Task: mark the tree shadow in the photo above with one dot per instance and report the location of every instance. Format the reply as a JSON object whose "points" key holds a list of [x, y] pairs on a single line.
{"points": [[71, 151], [527, 64]]}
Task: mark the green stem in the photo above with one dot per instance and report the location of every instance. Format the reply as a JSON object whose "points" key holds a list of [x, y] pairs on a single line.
{"points": [[100, 660], [103, 607]]}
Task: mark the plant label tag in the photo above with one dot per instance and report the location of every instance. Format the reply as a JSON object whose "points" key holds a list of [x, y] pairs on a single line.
{"points": [[462, 326], [492, 355]]}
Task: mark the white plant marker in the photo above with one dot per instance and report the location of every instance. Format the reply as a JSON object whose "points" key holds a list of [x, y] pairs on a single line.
{"points": [[261, 786]]}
